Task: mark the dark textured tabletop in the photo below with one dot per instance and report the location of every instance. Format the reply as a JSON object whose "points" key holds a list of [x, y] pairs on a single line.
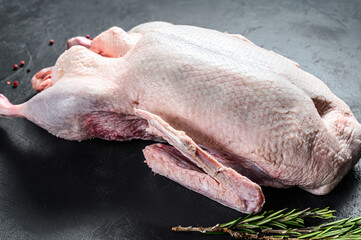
{"points": [[56, 189]]}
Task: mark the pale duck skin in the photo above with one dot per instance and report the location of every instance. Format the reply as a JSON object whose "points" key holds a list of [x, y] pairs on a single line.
{"points": [[251, 116]]}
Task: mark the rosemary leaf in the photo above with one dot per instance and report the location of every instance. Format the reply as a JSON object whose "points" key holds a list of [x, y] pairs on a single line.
{"points": [[275, 225]]}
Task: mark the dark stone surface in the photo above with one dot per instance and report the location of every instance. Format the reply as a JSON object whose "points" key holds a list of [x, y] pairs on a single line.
{"points": [[56, 189]]}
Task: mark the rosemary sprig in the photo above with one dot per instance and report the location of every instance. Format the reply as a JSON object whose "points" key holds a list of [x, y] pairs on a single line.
{"points": [[282, 224]]}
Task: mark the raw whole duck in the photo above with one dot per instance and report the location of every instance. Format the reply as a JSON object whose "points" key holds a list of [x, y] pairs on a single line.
{"points": [[236, 116]]}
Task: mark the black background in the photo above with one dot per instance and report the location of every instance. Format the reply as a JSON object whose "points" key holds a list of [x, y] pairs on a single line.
{"points": [[56, 189]]}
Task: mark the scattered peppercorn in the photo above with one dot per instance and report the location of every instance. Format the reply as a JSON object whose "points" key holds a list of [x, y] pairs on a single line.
{"points": [[22, 63], [87, 36], [51, 42], [15, 84], [27, 70], [15, 66], [91, 39]]}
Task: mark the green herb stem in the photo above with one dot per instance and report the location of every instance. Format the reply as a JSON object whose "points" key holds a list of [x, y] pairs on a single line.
{"points": [[282, 224]]}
